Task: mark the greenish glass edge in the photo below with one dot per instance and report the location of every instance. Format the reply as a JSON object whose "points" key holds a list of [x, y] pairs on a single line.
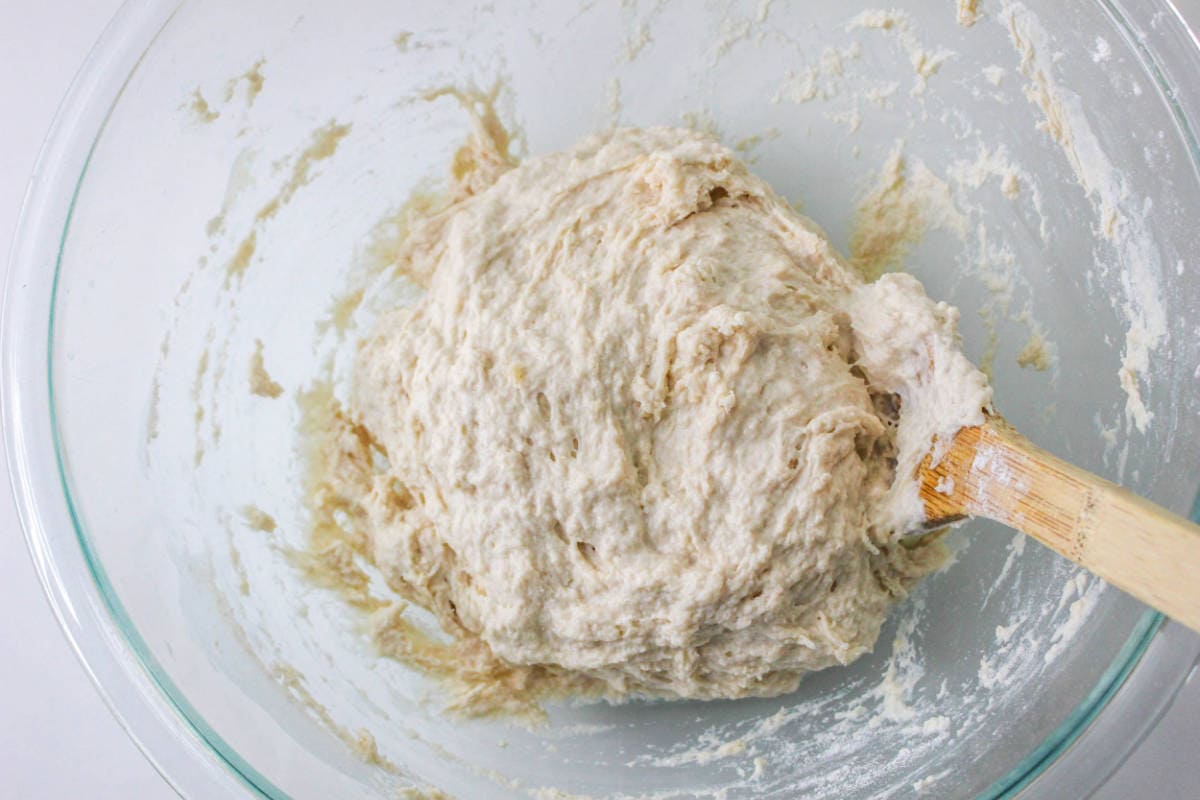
{"points": [[1073, 727], [1166, 91], [1007, 787], [1078, 720], [248, 775], [1114, 677]]}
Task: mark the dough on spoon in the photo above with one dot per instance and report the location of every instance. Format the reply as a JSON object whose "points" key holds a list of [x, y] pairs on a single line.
{"points": [[645, 424]]}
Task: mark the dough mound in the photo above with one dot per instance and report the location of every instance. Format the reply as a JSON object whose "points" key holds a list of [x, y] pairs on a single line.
{"points": [[646, 426]]}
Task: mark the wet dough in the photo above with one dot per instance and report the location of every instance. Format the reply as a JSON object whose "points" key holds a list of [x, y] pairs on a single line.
{"points": [[646, 425]]}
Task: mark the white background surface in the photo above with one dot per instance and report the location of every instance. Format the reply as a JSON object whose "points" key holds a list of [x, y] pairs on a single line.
{"points": [[57, 739]]}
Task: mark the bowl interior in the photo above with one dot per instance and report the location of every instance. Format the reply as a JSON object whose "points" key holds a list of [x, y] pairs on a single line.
{"points": [[1041, 149]]}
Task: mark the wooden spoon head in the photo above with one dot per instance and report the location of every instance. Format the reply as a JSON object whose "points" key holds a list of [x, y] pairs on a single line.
{"points": [[968, 480], [992, 471], [944, 485]]}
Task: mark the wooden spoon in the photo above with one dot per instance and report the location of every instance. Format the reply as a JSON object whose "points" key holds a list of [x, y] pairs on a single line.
{"points": [[994, 472]]}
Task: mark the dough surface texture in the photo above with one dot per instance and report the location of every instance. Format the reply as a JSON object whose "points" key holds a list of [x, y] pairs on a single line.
{"points": [[646, 426]]}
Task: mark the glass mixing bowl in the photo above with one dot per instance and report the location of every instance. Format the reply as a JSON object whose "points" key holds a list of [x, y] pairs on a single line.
{"points": [[1051, 147]]}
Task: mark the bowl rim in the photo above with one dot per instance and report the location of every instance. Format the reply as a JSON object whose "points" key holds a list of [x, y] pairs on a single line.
{"points": [[1147, 673], [134, 691]]}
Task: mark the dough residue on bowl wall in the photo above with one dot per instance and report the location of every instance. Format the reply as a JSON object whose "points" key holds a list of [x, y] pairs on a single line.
{"points": [[906, 201], [967, 12], [1120, 216], [261, 382]]}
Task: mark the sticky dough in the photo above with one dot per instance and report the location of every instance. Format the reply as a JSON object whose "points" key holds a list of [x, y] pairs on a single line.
{"points": [[646, 425]]}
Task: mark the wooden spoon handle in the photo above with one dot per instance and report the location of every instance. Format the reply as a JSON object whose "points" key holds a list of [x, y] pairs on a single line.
{"points": [[992, 471]]}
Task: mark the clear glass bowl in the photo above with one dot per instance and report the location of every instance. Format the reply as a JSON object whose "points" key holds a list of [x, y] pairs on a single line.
{"points": [[134, 454]]}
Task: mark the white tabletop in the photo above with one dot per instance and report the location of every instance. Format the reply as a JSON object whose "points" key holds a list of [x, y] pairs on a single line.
{"points": [[57, 739]]}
